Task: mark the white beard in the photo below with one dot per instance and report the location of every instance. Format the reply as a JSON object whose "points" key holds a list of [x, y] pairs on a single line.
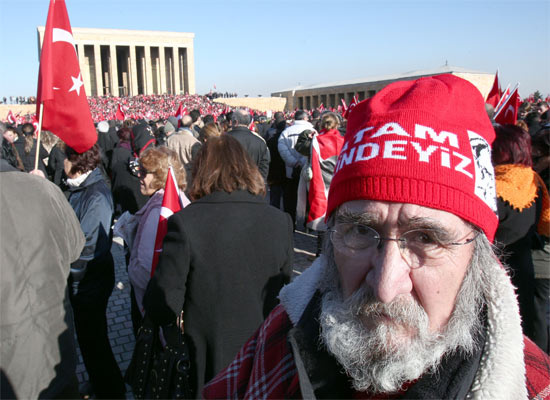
{"points": [[383, 346]]}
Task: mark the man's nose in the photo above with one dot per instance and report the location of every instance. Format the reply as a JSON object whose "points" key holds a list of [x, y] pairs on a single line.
{"points": [[390, 275]]}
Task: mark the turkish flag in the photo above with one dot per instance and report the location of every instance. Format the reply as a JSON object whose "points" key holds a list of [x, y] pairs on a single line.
{"points": [[11, 118], [494, 95], [508, 112], [60, 87], [34, 122], [353, 103], [119, 114], [180, 113], [170, 204]]}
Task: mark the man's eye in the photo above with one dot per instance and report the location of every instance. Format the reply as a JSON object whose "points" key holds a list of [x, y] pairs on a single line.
{"points": [[361, 230], [422, 237]]}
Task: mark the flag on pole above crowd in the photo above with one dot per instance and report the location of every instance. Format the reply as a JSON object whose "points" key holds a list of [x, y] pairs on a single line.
{"points": [[507, 113], [170, 204], [495, 94], [11, 118], [503, 96], [61, 94], [353, 103], [180, 113], [119, 115]]}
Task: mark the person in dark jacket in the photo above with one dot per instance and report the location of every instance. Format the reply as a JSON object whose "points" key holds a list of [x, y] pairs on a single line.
{"points": [[254, 145], [125, 182], [277, 172], [224, 259], [26, 146], [522, 200], [541, 251], [93, 275]]}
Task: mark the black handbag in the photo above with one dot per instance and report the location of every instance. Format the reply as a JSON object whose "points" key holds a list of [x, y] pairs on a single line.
{"points": [[157, 372]]}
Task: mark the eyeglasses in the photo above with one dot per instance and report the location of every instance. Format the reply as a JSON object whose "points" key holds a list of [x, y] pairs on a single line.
{"points": [[418, 247], [142, 172]]}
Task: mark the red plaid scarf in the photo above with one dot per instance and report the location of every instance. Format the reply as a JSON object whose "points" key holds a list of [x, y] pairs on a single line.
{"points": [[264, 367]]}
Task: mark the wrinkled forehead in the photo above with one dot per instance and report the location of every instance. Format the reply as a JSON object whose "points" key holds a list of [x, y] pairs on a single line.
{"points": [[398, 215]]}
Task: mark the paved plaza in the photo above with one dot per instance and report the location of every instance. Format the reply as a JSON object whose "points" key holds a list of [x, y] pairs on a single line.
{"points": [[118, 311]]}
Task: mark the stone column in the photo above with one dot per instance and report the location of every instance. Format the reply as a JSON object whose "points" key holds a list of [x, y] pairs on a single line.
{"points": [[98, 76], [162, 74], [85, 72], [148, 71], [133, 71], [178, 84], [190, 68], [113, 70]]}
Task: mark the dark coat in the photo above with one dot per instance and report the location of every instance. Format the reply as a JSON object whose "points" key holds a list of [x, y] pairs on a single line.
{"points": [[277, 172], [28, 159], [254, 146], [225, 258], [93, 205], [55, 167], [516, 235], [127, 195]]}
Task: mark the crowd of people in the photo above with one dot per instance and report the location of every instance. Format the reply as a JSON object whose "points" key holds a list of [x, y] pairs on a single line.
{"points": [[457, 307]]}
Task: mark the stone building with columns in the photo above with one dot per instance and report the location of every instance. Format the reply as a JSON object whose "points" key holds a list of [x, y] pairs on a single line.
{"points": [[331, 94], [121, 62]]}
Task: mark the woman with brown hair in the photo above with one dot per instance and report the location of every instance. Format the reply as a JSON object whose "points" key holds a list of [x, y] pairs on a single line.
{"points": [[26, 146], [93, 275], [224, 258], [209, 130], [154, 165]]}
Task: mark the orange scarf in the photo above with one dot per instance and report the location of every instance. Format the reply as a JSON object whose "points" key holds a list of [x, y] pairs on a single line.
{"points": [[518, 185]]}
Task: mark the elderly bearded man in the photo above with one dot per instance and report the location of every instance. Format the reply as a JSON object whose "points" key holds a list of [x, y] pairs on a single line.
{"points": [[408, 299]]}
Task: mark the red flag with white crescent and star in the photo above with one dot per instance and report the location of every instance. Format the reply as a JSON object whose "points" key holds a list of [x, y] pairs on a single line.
{"points": [[170, 204], [11, 118], [508, 112], [60, 87]]}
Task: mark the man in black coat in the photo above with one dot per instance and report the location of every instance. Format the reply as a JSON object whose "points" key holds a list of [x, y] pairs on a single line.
{"points": [[254, 145]]}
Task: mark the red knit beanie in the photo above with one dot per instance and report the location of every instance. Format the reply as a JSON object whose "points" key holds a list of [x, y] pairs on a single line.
{"points": [[425, 142]]}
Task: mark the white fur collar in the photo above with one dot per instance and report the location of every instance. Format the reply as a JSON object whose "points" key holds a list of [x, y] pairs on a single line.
{"points": [[501, 374]]}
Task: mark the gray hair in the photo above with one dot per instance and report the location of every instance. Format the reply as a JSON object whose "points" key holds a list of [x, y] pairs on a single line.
{"points": [[240, 117]]}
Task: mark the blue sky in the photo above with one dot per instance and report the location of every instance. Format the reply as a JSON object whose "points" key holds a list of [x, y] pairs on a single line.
{"points": [[257, 47]]}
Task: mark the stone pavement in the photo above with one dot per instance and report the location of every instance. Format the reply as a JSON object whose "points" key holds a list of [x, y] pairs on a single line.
{"points": [[118, 310]]}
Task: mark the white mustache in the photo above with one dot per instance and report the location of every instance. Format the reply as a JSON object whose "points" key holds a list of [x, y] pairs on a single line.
{"points": [[402, 310]]}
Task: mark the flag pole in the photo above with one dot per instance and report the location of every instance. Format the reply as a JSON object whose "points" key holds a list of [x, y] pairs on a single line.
{"points": [[502, 98], [502, 106], [39, 134]]}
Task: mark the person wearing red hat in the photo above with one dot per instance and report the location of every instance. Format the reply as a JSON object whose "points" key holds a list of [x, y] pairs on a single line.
{"points": [[408, 299]]}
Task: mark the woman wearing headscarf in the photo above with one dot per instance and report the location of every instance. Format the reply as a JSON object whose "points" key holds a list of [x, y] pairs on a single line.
{"points": [[224, 259]]}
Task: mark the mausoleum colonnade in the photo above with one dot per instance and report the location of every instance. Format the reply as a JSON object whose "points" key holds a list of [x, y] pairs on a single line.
{"points": [[128, 63]]}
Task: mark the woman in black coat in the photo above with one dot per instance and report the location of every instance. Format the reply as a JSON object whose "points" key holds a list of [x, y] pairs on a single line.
{"points": [[522, 202], [224, 259]]}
